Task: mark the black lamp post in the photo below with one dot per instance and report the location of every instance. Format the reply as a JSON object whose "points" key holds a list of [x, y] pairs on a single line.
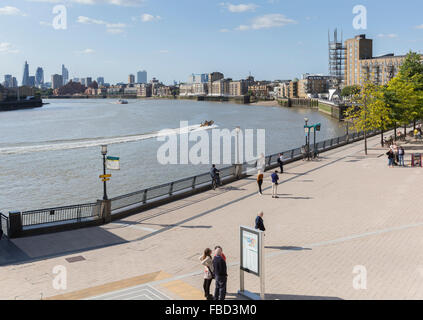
{"points": [[104, 153], [307, 138]]}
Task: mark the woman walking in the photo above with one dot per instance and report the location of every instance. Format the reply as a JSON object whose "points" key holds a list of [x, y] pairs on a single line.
{"points": [[207, 262], [260, 181]]}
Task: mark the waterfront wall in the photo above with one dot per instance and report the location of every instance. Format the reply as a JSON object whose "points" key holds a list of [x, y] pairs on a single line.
{"points": [[21, 104]]}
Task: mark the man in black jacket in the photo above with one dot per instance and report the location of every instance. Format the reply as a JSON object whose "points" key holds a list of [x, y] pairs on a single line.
{"points": [[259, 222], [220, 272]]}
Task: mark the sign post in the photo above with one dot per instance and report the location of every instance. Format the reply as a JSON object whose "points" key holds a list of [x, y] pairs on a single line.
{"points": [[252, 260]]}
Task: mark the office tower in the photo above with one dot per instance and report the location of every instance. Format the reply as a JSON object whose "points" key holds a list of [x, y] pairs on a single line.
{"points": [[83, 81], [25, 77], [131, 79], [88, 81], [56, 81], [14, 83], [100, 81], [8, 81], [39, 77], [65, 74], [358, 48], [31, 81], [76, 80], [142, 76]]}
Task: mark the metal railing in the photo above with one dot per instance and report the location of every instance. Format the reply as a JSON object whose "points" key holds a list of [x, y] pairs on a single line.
{"points": [[4, 224], [169, 189], [75, 213], [91, 211]]}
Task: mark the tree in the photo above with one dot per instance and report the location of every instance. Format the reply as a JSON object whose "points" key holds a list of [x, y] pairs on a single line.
{"points": [[350, 91], [369, 110], [406, 91]]}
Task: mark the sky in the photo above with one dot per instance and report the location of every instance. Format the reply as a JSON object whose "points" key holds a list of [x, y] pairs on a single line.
{"points": [[171, 39]]}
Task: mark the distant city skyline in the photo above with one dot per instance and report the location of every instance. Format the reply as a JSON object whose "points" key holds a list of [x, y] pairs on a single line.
{"points": [[271, 39]]}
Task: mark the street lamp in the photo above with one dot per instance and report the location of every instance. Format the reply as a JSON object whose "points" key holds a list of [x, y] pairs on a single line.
{"points": [[237, 130], [104, 153], [307, 147]]}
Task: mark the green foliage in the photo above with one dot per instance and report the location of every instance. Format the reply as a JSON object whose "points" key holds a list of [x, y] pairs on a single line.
{"points": [[350, 91]]}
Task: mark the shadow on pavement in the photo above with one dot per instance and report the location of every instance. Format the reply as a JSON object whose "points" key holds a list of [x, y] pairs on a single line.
{"points": [[288, 248], [23, 250]]}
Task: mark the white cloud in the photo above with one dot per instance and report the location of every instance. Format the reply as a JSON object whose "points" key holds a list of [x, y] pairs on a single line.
{"points": [[419, 27], [224, 30], [10, 11], [86, 51], [164, 51], [6, 47], [237, 8], [390, 35], [267, 21], [149, 18], [113, 28], [125, 3]]}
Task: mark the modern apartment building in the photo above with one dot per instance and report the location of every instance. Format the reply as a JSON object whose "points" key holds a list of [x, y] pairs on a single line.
{"points": [[357, 49], [382, 69], [312, 85]]}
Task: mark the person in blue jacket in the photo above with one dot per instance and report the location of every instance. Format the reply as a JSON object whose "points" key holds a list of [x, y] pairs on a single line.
{"points": [[259, 222]]}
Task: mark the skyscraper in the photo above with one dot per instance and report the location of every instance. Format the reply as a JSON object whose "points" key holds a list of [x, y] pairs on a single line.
{"points": [[8, 81], [39, 77], [100, 81], [31, 81], [88, 81], [131, 79], [65, 74], [25, 78], [142, 76], [56, 81]]}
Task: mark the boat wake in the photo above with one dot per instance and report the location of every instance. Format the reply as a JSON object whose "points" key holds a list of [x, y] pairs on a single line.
{"points": [[94, 142]]}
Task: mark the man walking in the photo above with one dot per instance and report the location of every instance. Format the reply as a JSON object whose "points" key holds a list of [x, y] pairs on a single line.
{"points": [[275, 179], [221, 275], [259, 222]]}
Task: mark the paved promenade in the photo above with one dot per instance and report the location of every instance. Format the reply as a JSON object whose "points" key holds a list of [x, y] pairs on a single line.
{"points": [[342, 211]]}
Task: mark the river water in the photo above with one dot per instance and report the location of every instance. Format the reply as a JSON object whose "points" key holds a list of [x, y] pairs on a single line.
{"points": [[51, 157]]}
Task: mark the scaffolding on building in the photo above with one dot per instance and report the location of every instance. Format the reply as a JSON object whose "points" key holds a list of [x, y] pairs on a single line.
{"points": [[337, 60]]}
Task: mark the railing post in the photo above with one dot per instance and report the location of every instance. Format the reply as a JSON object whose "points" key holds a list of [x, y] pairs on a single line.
{"points": [[193, 182], [292, 154], [171, 189], [15, 224], [144, 197], [106, 210]]}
